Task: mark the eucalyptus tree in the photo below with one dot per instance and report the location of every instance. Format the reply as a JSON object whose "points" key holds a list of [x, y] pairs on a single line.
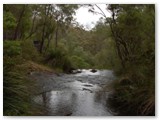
{"points": [[129, 25], [63, 17], [17, 16], [51, 19]]}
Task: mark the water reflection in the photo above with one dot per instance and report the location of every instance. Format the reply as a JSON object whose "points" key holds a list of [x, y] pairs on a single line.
{"points": [[76, 95], [73, 103]]}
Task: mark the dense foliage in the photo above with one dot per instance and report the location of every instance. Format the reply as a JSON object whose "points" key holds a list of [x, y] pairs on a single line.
{"points": [[133, 30]]}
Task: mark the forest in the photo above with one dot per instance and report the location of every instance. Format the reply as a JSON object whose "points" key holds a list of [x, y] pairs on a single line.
{"points": [[45, 40]]}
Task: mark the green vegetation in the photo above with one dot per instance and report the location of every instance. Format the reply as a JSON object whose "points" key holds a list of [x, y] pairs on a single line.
{"points": [[17, 87], [133, 32], [15, 90], [46, 37], [57, 59]]}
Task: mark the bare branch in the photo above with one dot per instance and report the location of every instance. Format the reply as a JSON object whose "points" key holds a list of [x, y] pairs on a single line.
{"points": [[101, 11]]}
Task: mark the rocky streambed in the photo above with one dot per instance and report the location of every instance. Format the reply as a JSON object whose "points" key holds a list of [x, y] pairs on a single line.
{"points": [[74, 94]]}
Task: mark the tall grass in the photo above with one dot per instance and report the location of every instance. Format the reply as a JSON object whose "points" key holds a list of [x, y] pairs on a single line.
{"points": [[15, 92], [16, 100], [16, 85]]}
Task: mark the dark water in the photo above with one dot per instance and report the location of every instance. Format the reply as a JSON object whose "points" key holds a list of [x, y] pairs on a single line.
{"points": [[75, 94]]}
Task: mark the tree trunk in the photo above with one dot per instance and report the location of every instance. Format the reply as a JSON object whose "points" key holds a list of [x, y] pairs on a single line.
{"points": [[117, 46], [19, 21], [49, 39], [42, 41], [56, 37], [31, 31], [43, 30]]}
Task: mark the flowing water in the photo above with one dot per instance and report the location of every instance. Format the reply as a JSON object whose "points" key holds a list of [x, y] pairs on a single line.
{"points": [[74, 94]]}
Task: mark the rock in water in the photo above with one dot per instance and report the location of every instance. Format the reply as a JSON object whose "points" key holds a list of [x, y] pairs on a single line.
{"points": [[93, 70], [87, 90], [69, 114]]}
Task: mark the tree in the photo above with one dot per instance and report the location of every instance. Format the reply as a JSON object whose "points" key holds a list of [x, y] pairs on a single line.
{"points": [[9, 24], [21, 14], [63, 18], [54, 19]]}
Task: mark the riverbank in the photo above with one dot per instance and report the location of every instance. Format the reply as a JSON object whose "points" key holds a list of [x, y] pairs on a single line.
{"points": [[31, 66]]}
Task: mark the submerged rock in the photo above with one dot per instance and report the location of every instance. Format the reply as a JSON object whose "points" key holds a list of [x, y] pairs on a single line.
{"points": [[69, 114], [87, 90], [88, 85]]}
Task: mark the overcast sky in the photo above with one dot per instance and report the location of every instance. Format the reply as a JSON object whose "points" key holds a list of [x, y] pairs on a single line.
{"points": [[88, 19]]}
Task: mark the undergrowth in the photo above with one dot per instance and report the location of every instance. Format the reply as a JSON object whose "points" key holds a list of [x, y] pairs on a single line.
{"points": [[134, 90], [17, 89]]}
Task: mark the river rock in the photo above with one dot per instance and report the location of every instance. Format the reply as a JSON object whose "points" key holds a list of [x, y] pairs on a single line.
{"points": [[68, 114], [93, 70]]}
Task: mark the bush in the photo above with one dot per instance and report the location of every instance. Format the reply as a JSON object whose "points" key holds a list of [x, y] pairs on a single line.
{"points": [[135, 98], [29, 51], [78, 62], [58, 59], [12, 54], [135, 91], [12, 48]]}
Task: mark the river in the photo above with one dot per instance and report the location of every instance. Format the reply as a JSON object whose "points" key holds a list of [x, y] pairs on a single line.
{"points": [[74, 94]]}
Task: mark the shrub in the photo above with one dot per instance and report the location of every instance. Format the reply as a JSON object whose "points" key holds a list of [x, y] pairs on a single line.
{"points": [[58, 59], [12, 48], [135, 93], [79, 62], [29, 52]]}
